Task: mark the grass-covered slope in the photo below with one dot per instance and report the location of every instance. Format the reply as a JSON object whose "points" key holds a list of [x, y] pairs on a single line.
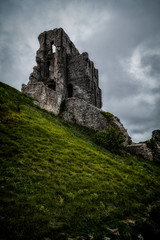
{"points": [[56, 183]]}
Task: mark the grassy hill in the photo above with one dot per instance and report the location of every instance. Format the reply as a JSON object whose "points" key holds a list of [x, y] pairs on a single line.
{"points": [[56, 183]]}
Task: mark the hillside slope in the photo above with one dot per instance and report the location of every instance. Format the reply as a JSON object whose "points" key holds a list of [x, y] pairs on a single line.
{"points": [[56, 183]]}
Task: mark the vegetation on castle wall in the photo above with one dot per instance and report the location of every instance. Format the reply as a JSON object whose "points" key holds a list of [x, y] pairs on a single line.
{"points": [[109, 116], [56, 183], [111, 139]]}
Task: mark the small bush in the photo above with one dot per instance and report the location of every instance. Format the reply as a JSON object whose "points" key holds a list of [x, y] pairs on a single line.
{"points": [[109, 116], [111, 139]]}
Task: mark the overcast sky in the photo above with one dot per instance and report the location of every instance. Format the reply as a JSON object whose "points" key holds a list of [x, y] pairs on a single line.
{"points": [[122, 37]]}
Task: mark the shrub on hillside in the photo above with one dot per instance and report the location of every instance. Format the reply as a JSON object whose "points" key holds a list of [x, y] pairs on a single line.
{"points": [[111, 139]]}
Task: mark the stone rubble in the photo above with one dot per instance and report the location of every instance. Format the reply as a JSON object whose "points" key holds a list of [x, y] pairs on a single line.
{"points": [[149, 150]]}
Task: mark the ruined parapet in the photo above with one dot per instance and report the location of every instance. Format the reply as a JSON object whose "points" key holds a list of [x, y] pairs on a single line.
{"points": [[140, 149], [61, 68], [149, 149]]}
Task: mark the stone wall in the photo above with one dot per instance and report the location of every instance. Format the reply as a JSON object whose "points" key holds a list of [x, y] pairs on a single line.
{"points": [[140, 149], [43, 96], [80, 112], [84, 78], [149, 150]]}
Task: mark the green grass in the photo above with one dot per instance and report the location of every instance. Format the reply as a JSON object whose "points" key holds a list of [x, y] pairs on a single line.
{"points": [[57, 183]]}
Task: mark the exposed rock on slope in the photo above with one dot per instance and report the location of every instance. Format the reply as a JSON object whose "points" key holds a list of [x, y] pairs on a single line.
{"points": [[150, 149]]}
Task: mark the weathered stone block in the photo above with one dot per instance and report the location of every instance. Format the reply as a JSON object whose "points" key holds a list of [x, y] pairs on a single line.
{"points": [[44, 96], [140, 149]]}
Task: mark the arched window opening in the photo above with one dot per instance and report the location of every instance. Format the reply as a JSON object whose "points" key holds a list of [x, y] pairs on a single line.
{"points": [[70, 90], [52, 86], [53, 47]]}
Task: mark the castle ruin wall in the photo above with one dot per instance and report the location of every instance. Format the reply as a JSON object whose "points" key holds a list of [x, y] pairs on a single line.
{"points": [[62, 75]]}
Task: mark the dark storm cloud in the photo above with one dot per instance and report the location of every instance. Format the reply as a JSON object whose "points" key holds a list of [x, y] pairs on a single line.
{"points": [[122, 38]]}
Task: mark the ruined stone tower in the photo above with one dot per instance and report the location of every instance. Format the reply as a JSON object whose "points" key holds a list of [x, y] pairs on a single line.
{"points": [[62, 73], [64, 77]]}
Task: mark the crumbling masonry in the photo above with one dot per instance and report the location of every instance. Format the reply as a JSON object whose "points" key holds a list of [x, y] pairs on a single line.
{"points": [[65, 72], [64, 77]]}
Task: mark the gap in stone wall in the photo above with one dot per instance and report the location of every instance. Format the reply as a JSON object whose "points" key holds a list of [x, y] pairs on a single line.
{"points": [[70, 90], [52, 85], [53, 47]]}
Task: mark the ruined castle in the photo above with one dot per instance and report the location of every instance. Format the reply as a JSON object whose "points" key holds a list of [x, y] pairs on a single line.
{"points": [[66, 83], [63, 76], [64, 71]]}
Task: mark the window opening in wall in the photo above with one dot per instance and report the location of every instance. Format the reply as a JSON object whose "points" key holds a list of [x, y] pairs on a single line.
{"points": [[53, 47], [52, 85], [70, 90]]}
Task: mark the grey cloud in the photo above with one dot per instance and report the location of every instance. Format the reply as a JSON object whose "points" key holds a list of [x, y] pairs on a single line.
{"points": [[154, 62]]}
